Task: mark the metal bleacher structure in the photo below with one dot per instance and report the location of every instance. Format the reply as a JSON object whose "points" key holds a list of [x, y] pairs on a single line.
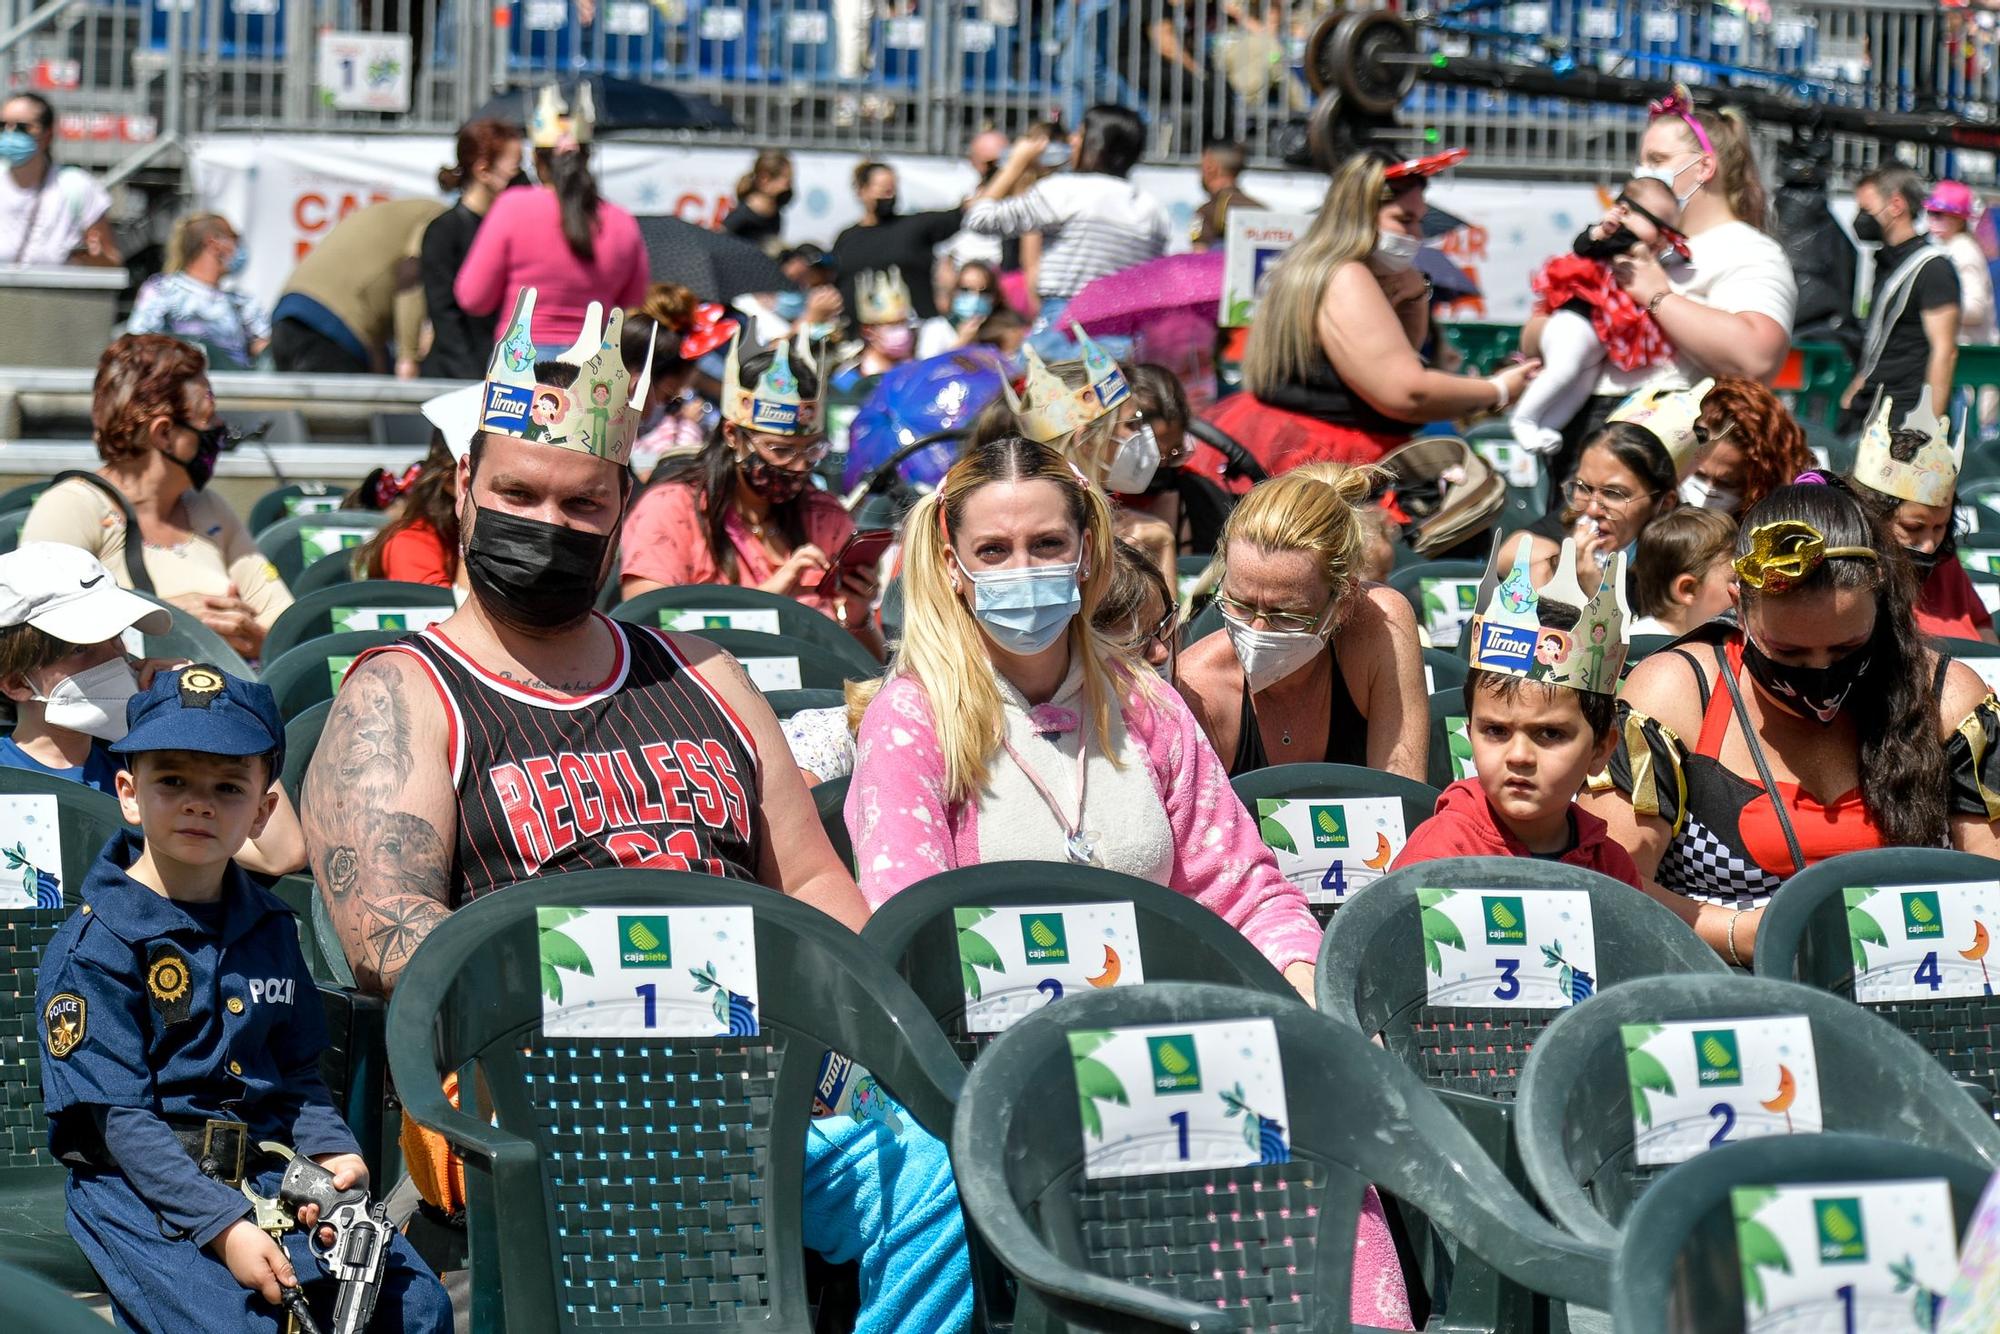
{"points": [[134, 79]]}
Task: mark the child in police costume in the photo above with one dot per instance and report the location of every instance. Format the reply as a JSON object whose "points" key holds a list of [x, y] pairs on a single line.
{"points": [[180, 1028]]}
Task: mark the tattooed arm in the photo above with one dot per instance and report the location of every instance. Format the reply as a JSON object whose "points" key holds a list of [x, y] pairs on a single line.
{"points": [[379, 817], [793, 854]]}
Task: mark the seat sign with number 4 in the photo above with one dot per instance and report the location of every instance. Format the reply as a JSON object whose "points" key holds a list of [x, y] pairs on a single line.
{"points": [[1508, 949], [1180, 1098], [1922, 942], [1015, 960], [646, 972], [1704, 1082], [1846, 1256], [1332, 846]]}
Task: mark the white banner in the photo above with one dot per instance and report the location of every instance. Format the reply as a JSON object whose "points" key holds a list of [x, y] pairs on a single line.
{"points": [[285, 191]]}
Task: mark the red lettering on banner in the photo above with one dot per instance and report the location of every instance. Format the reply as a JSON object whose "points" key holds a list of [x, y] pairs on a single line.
{"points": [[603, 768], [644, 808], [577, 783], [549, 795], [315, 202], [524, 823], [659, 759], [708, 803], [732, 791]]}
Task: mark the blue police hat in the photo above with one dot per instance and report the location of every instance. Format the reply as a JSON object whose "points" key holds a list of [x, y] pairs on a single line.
{"points": [[204, 709]]}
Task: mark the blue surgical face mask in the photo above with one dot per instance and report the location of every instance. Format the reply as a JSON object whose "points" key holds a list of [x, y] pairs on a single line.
{"points": [[790, 305], [1026, 610], [970, 306], [16, 147], [238, 259]]}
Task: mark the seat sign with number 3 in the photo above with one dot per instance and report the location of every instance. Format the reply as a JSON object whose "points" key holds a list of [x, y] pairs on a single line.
{"points": [[1704, 1082], [1923, 942], [1015, 960], [648, 972], [1180, 1098], [1518, 949], [1332, 846]]}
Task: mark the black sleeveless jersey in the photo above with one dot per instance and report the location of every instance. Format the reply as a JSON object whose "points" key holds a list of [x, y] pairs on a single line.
{"points": [[651, 769]]}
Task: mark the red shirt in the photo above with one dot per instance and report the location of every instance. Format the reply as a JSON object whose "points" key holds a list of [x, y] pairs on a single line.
{"points": [[1464, 827], [665, 540], [416, 555], [1949, 607]]}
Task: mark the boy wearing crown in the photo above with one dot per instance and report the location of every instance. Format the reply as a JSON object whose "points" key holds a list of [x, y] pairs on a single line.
{"points": [[181, 1031], [1539, 703]]}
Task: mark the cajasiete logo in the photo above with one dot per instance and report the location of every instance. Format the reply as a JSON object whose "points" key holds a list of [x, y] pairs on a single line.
{"points": [[643, 942], [1043, 940], [1176, 1065], [1329, 826], [1842, 1238], [1506, 919], [1922, 919], [1716, 1061]]}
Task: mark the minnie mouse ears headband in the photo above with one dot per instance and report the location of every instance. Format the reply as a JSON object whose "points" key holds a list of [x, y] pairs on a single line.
{"points": [[1398, 176], [1680, 103]]}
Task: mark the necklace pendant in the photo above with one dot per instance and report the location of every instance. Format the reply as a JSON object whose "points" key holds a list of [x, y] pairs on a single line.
{"points": [[1286, 739], [1082, 849]]}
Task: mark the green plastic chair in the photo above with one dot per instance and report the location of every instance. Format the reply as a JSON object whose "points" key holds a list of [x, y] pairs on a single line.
{"points": [[30, 1302], [310, 673], [1444, 669], [785, 703], [552, 1247], [326, 572], [284, 502], [660, 607], [1804, 938], [1439, 612], [1679, 1267], [1573, 1112], [302, 733], [294, 543], [33, 1233], [831, 800], [11, 522], [23, 496], [1305, 781], [1450, 757], [188, 638], [1228, 1249], [819, 668], [387, 602]]}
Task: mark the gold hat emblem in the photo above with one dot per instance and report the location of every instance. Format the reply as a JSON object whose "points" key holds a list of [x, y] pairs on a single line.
{"points": [[199, 684]]}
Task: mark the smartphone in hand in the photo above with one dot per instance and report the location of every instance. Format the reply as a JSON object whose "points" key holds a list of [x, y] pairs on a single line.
{"points": [[862, 551]]}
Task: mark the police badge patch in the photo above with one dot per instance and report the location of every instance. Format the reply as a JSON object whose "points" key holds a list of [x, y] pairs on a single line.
{"points": [[199, 686], [62, 1023], [167, 981]]}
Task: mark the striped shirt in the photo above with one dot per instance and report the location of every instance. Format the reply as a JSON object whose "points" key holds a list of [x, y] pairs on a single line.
{"points": [[1091, 225], [650, 769]]}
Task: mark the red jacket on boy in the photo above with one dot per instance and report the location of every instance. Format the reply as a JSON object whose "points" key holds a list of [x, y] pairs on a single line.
{"points": [[1464, 827]]}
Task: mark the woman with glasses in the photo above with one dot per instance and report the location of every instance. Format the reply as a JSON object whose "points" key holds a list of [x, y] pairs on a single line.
{"points": [[1311, 664], [1624, 480], [744, 510]]}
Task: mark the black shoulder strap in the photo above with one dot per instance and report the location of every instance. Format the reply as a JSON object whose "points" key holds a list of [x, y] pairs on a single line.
{"points": [[1937, 682], [1700, 681], [135, 543], [1763, 765]]}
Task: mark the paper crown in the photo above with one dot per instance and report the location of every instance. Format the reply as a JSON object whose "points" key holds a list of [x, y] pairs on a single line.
{"points": [[1931, 476], [1048, 409], [596, 414], [1671, 415], [881, 297], [775, 406], [552, 119], [1508, 637]]}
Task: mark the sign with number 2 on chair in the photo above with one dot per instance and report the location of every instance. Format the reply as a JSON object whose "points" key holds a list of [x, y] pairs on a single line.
{"points": [[1922, 942], [1015, 960], [1700, 1083], [1180, 1097], [1517, 949], [648, 972]]}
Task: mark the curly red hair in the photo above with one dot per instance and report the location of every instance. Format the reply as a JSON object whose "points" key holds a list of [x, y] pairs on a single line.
{"points": [[140, 378], [1772, 441]]}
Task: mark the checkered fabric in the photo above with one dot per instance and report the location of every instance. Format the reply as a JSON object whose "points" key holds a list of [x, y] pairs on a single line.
{"points": [[1707, 870]]}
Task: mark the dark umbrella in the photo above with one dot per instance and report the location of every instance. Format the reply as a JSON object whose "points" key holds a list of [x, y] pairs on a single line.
{"points": [[621, 104], [715, 266], [1438, 223], [1448, 281]]}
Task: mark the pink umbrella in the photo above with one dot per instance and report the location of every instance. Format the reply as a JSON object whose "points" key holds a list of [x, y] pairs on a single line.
{"points": [[1125, 302]]}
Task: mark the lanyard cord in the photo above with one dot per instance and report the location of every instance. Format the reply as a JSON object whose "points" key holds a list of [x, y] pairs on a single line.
{"points": [[1079, 848]]}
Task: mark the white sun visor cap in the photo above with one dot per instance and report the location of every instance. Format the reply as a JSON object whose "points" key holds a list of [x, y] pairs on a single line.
{"points": [[456, 416], [65, 592]]}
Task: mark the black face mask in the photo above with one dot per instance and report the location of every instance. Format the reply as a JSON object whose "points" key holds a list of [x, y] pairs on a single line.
{"points": [[1926, 561], [783, 199], [533, 575], [778, 485], [1818, 693], [885, 209], [1605, 247], [207, 449], [1867, 227]]}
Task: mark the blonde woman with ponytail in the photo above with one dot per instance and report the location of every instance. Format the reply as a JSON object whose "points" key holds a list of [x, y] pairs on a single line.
{"points": [[1009, 728], [1332, 370], [1311, 664]]}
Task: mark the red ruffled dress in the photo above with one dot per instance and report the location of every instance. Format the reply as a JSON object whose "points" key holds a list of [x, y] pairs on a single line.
{"points": [[1630, 336]]}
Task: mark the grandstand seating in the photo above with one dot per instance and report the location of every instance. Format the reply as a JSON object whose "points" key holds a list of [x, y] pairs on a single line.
{"points": [[294, 543], [292, 499], [29, 1301], [700, 608], [310, 673]]}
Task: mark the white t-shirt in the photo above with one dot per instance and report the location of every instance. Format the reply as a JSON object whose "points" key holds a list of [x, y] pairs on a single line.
{"points": [[70, 203], [1735, 268]]}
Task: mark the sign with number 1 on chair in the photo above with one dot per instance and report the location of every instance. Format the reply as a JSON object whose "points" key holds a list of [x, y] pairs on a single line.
{"points": [[1332, 846], [1922, 942], [1845, 1256], [1015, 960], [1180, 1098], [648, 973], [1518, 949], [1703, 1082]]}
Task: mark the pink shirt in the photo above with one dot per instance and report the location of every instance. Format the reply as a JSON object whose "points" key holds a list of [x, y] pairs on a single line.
{"points": [[520, 244], [664, 540]]}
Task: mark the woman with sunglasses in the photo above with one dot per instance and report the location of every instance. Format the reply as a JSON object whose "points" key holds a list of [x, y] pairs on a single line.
{"points": [[744, 511], [1311, 664]]}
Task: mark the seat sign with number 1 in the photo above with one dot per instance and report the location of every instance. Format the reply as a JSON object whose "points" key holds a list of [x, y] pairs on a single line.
{"points": [[1704, 1082], [1015, 960], [1874, 1256], [1180, 1097], [648, 972]]}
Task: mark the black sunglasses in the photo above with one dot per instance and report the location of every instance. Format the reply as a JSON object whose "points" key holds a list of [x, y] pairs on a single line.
{"points": [[24, 126]]}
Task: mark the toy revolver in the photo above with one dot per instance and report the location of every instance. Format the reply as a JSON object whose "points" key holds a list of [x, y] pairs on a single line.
{"points": [[359, 1252]]}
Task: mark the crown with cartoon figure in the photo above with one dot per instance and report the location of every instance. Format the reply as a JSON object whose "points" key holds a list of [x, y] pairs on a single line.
{"points": [[775, 405], [551, 119], [881, 297], [1930, 477], [1671, 415], [598, 413], [1048, 409], [1508, 637]]}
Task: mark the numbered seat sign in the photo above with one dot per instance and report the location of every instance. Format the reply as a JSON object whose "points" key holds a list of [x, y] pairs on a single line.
{"points": [[1875, 1256], [1015, 960], [1180, 1097], [1332, 846], [1449, 604], [764, 620], [1923, 942], [648, 972], [1705, 1082], [387, 618], [1517, 949], [30, 853], [772, 673]]}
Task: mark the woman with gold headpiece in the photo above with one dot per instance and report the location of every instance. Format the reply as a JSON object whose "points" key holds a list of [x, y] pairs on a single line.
{"points": [[744, 511], [1821, 724]]}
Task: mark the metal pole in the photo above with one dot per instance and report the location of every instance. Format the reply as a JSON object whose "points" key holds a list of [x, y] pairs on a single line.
{"points": [[35, 19]]}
